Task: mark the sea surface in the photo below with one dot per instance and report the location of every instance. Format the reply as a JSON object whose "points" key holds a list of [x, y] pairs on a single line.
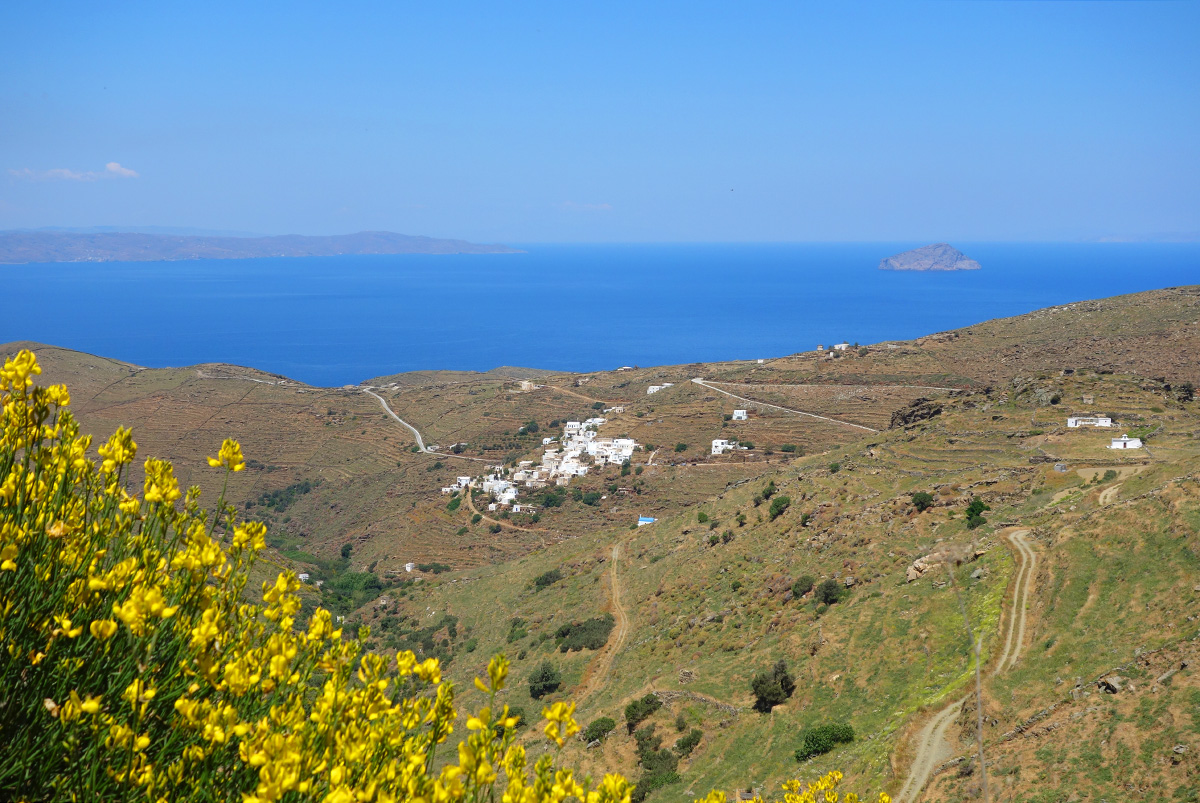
{"points": [[341, 320]]}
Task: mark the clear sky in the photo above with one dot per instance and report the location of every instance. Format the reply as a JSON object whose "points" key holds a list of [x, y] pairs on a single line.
{"points": [[605, 121]]}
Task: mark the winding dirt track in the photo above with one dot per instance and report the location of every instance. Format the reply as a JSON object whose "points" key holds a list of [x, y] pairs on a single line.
{"points": [[597, 673], [501, 522], [932, 746], [1109, 494], [711, 386], [420, 441]]}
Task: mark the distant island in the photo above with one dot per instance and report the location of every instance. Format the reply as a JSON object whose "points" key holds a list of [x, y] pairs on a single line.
{"points": [[938, 256], [20, 247]]}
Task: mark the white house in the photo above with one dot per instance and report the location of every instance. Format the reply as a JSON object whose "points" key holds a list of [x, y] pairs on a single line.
{"points": [[644, 520], [408, 567], [302, 577], [740, 415], [820, 347], [760, 362], [841, 346], [721, 446], [1126, 442], [463, 482], [1076, 421], [657, 388]]}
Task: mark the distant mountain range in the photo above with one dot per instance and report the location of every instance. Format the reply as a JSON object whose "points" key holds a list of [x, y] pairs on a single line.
{"points": [[18, 247], [938, 256]]}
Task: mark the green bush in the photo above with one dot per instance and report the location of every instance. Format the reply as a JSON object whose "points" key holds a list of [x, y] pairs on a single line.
{"points": [[803, 585], [591, 634], [772, 688], [702, 517], [478, 517], [639, 709], [922, 501], [591, 498], [688, 743], [788, 447], [547, 579], [975, 511], [1109, 476], [778, 505], [830, 592], [834, 468], [544, 680], [823, 738], [599, 729], [453, 504], [681, 447]]}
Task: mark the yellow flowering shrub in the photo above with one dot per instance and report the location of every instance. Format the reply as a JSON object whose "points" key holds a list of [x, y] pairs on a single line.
{"points": [[133, 666]]}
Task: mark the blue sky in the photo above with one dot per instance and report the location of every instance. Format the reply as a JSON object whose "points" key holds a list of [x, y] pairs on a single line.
{"points": [[593, 122]]}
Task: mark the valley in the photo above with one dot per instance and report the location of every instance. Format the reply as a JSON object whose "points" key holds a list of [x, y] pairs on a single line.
{"points": [[841, 542]]}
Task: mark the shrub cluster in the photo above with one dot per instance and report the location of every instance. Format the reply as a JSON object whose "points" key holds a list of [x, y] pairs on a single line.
{"points": [[687, 744], [544, 680], [922, 501], [771, 688], [778, 505], [658, 765], [975, 513], [639, 709], [547, 579], [590, 634], [823, 738], [599, 729]]}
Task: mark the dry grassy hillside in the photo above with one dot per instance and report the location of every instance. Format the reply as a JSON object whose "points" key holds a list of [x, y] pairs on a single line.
{"points": [[1086, 567]]}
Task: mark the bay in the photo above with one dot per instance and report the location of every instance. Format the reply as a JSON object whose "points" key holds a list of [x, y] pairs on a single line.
{"points": [[341, 320]]}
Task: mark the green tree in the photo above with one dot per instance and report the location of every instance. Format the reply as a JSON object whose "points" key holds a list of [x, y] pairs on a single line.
{"points": [[544, 680], [922, 501], [771, 688], [778, 505]]}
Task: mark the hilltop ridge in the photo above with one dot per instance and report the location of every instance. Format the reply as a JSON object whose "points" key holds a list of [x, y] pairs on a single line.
{"points": [[18, 247]]}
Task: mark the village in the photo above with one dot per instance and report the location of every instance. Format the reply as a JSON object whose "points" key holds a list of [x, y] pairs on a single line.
{"points": [[580, 449]]}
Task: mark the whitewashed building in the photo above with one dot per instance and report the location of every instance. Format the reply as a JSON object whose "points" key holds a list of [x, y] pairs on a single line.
{"points": [[740, 415], [1076, 421], [1126, 442], [721, 446], [841, 346], [656, 388]]}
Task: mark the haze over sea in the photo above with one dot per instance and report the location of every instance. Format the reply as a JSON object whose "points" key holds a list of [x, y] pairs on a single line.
{"points": [[341, 320]]}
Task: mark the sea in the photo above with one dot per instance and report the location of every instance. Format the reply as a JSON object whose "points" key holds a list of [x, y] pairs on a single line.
{"points": [[333, 321]]}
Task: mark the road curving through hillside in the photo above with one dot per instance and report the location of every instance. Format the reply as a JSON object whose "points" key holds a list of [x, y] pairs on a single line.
{"points": [[933, 748], [710, 386], [420, 441]]}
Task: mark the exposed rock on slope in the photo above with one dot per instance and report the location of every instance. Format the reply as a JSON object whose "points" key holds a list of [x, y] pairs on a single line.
{"points": [[938, 256]]}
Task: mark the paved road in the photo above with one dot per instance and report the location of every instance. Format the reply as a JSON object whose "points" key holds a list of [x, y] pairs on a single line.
{"points": [[933, 748], [416, 434], [711, 386]]}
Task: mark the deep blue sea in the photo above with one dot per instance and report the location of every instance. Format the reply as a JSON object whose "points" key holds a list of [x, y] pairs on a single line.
{"points": [[340, 320]]}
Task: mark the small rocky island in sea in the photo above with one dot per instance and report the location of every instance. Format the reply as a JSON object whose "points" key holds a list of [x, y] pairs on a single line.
{"points": [[938, 256]]}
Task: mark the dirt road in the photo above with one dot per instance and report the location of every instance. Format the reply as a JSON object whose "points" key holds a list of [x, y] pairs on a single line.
{"points": [[711, 386], [413, 430], [501, 522], [933, 748], [596, 674]]}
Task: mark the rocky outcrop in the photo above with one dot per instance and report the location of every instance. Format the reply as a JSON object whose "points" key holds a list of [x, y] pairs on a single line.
{"points": [[918, 410], [938, 256]]}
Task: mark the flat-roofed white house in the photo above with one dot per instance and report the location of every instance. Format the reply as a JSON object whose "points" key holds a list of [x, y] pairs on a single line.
{"points": [[1126, 442], [721, 446], [740, 415], [656, 388], [841, 346], [1076, 421]]}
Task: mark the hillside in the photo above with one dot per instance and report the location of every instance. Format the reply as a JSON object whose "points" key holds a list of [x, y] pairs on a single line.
{"points": [[1082, 581], [19, 247]]}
